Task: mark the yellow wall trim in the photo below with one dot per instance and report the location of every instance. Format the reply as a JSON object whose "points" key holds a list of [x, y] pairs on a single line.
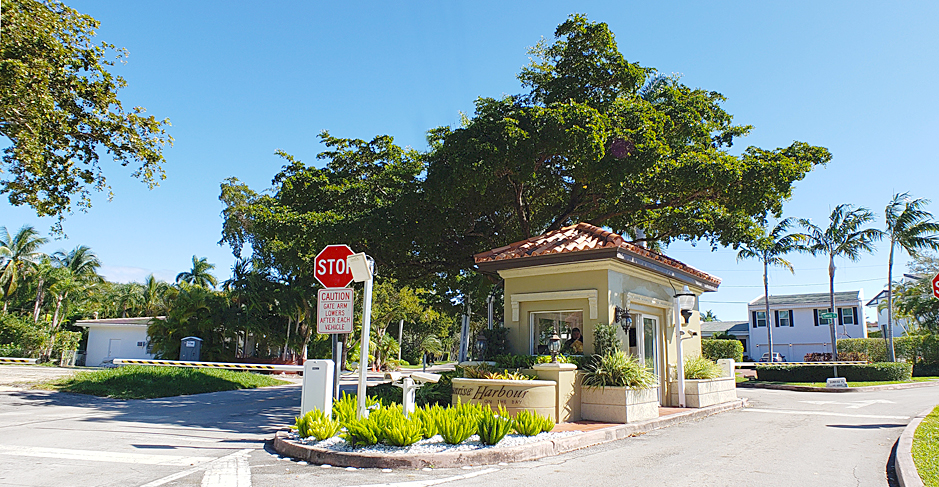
{"points": [[589, 294], [595, 265]]}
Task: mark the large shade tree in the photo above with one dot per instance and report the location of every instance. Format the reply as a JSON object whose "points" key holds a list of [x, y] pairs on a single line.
{"points": [[913, 229], [846, 235], [595, 138], [769, 249], [60, 111]]}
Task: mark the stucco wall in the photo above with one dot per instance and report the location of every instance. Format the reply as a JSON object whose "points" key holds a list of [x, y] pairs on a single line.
{"points": [[99, 339]]}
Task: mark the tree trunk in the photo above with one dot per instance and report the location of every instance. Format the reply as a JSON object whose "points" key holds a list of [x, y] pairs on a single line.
{"points": [[891, 352], [831, 294], [40, 297], [287, 341], [769, 327]]}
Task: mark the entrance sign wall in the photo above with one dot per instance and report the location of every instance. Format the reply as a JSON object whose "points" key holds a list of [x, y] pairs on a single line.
{"points": [[539, 396]]}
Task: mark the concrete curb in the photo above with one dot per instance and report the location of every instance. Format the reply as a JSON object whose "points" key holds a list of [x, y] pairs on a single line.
{"points": [[907, 476], [886, 387], [492, 456]]}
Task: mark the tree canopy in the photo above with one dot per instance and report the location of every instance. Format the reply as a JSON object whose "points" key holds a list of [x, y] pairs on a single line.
{"points": [[595, 138], [59, 109]]}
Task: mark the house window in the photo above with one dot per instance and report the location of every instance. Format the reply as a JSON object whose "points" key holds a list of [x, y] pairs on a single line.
{"points": [[847, 316], [759, 319], [819, 321], [544, 324], [784, 318]]}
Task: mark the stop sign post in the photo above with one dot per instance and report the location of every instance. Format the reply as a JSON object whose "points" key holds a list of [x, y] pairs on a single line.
{"points": [[935, 286], [329, 266], [330, 269]]}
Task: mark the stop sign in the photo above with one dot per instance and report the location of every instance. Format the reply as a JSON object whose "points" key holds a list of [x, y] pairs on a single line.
{"points": [[935, 286], [330, 266]]}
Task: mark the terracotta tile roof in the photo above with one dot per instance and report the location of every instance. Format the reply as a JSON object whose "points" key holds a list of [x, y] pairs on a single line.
{"points": [[578, 238]]}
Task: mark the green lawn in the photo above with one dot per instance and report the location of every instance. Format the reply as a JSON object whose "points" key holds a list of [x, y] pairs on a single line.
{"points": [[926, 449], [850, 384], [146, 382]]}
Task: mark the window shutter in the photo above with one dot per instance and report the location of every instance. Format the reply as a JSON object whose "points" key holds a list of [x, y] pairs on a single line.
{"points": [[856, 322], [776, 312], [791, 319], [840, 317], [815, 311], [754, 318]]}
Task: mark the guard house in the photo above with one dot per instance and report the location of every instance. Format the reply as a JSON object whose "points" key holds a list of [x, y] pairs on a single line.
{"points": [[576, 276]]}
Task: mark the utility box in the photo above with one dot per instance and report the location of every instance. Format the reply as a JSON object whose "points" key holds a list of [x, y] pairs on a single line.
{"points": [[190, 349], [317, 386]]}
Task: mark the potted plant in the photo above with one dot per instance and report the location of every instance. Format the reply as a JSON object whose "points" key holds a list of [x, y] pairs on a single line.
{"points": [[705, 384], [617, 388]]}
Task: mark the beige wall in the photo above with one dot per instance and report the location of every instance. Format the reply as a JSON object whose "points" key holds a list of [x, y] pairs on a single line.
{"points": [[614, 283]]}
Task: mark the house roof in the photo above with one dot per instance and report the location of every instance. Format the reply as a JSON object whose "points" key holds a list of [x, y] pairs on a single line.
{"points": [[737, 328], [141, 321], [810, 298], [582, 242]]}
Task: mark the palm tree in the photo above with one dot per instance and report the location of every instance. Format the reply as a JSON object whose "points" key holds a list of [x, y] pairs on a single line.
{"points": [[913, 229], [199, 274], [82, 263], [844, 237], [769, 249], [17, 253], [154, 296]]}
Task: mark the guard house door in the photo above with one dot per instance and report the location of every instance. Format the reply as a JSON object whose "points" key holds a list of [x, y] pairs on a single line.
{"points": [[649, 346]]}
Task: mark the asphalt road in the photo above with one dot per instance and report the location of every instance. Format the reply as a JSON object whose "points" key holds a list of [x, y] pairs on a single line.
{"points": [[783, 439]]}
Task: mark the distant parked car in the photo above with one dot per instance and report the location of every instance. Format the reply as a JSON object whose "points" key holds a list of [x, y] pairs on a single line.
{"points": [[776, 357]]}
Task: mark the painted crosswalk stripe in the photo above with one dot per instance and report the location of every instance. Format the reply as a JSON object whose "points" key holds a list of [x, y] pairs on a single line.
{"points": [[232, 471], [824, 413], [101, 456]]}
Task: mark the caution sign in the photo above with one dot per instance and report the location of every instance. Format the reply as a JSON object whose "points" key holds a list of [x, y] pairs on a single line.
{"points": [[334, 310]]}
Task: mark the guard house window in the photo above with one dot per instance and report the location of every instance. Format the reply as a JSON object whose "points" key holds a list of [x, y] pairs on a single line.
{"points": [[544, 323], [783, 318], [759, 319]]}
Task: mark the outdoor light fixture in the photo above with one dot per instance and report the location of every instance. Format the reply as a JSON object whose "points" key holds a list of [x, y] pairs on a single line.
{"points": [[622, 316], [480, 345], [362, 267], [554, 346], [686, 303]]}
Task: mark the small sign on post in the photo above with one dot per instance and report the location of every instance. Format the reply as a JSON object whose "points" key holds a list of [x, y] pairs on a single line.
{"points": [[935, 286], [834, 382], [334, 310], [828, 316]]}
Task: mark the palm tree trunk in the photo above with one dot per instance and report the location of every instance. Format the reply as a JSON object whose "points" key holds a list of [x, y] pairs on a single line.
{"points": [[40, 296], [891, 353], [831, 294], [769, 327], [287, 340]]}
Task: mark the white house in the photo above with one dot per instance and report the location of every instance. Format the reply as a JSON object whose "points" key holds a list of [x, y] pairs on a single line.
{"points": [[900, 325], [797, 327], [739, 329], [117, 338]]}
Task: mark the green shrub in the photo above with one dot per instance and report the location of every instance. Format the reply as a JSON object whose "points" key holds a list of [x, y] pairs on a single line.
{"points": [[514, 361], [701, 368], [400, 431], [605, 341], [361, 432], [923, 370], [386, 393], [618, 370], [315, 423], [493, 427], [497, 342], [527, 423], [455, 424], [884, 371], [718, 349], [345, 407], [547, 424], [428, 418], [439, 393]]}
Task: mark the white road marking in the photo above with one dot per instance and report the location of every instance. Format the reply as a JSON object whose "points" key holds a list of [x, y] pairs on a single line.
{"points": [[184, 473], [101, 456], [423, 483], [860, 404], [825, 413], [849, 405], [232, 472]]}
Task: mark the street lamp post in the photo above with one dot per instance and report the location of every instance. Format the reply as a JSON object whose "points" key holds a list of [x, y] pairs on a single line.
{"points": [[684, 304], [363, 268]]}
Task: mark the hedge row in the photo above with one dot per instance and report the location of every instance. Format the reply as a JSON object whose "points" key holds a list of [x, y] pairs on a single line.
{"points": [[920, 349], [884, 371], [718, 349]]}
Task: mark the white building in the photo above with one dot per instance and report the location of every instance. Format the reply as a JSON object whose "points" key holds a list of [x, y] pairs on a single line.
{"points": [[116, 338], [900, 326], [739, 329], [797, 327]]}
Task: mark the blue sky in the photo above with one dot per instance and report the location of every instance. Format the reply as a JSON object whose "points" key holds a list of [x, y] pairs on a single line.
{"points": [[242, 79]]}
